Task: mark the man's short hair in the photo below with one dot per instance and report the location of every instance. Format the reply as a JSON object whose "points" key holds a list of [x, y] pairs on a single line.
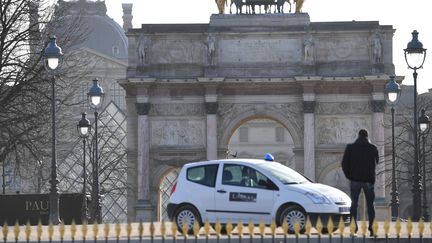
{"points": [[363, 133]]}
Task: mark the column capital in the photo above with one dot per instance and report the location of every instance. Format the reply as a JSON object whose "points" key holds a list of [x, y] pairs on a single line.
{"points": [[378, 105], [309, 106], [211, 92], [211, 107], [211, 88], [142, 108]]}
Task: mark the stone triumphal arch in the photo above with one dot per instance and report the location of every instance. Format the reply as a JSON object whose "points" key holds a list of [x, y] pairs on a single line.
{"points": [[190, 86]]}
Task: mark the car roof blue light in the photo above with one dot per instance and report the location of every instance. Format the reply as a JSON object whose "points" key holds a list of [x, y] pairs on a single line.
{"points": [[269, 157]]}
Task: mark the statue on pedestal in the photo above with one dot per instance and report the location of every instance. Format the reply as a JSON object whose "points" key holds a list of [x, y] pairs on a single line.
{"points": [[211, 49], [142, 50], [221, 5], [299, 5], [280, 5], [277, 5], [376, 48], [309, 55], [238, 4]]}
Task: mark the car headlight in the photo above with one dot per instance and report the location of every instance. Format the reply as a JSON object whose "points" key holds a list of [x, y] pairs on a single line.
{"points": [[317, 198]]}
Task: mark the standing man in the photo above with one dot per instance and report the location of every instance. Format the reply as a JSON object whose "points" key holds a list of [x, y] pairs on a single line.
{"points": [[358, 164]]}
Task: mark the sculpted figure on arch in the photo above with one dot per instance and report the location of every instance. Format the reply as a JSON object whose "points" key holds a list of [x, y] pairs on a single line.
{"points": [[299, 5], [377, 48], [142, 49], [211, 49], [309, 56], [221, 5]]}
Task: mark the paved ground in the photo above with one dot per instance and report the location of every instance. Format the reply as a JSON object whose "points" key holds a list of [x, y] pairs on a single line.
{"points": [[121, 230]]}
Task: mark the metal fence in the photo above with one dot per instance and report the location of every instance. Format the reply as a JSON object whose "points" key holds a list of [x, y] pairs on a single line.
{"points": [[161, 232]]}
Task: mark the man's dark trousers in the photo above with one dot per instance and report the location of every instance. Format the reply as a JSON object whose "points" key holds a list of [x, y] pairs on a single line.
{"points": [[368, 189]]}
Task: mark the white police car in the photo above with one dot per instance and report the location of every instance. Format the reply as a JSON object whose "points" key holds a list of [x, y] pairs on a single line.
{"points": [[250, 189]]}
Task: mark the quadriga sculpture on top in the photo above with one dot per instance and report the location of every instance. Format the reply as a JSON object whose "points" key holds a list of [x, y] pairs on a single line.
{"points": [[267, 4]]}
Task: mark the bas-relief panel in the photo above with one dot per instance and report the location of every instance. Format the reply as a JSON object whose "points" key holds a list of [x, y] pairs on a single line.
{"points": [[177, 132], [343, 108], [336, 49], [177, 110], [340, 130], [260, 50], [178, 51]]}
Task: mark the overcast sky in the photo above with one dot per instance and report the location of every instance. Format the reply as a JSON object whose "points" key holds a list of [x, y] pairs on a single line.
{"points": [[404, 16]]}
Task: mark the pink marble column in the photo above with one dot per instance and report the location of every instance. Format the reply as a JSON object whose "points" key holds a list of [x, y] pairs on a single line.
{"points": [[309, 139], [211, 110], [143, 207], [378, 140]]}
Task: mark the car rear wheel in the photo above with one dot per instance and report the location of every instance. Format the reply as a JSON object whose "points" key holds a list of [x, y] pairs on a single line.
{"points": [[291, 215], [187, 214]]}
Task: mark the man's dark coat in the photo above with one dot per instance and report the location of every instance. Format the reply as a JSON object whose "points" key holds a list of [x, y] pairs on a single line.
{"points": [[359, 160]]}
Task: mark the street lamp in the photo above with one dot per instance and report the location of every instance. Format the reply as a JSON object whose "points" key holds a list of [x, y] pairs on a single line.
{"points": [[424, 123], [4, 177], [415, 56], [52, 60], [84, 128], [393, 90], [95, 97]]}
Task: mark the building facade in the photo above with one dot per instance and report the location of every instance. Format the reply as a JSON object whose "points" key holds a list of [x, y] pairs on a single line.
{"points": [[191, 89]]}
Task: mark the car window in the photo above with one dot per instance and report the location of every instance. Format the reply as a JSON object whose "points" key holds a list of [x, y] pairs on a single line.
{"points": [[204, 175], [284, 174], [240, 175], [231, 175]]}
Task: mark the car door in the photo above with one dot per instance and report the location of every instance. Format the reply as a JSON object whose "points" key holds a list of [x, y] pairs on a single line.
{"points": [[243, 195], [200, 188]]}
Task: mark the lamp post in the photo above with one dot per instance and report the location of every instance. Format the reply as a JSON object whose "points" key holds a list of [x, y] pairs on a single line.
{"points": [[424, 129], [4, 177], [3, 160], [95, 97], [84, 128], [415, 56], [392, 91], [52, 60]]}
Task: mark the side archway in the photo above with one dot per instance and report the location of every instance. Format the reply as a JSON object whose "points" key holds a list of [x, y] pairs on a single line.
{"points": [[166, 182], [333, 175]]}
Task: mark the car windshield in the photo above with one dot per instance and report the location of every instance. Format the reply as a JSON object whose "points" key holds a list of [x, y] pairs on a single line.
{"points": [[284, 174]]}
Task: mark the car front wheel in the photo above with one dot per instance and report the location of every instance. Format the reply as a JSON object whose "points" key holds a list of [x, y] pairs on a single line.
{"points": [[291, 215], [187, 214]]}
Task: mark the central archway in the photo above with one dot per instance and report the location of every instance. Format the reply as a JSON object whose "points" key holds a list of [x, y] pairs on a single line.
{"points": [[282, 115], [256, 137]]}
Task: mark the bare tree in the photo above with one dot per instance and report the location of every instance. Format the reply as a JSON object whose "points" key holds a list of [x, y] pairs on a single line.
{"points": [[404, 147], [405, 143], [24, 85]]}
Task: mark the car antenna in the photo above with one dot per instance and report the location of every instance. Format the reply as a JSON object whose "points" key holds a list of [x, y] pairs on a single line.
{"points": [[228, 152]]}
